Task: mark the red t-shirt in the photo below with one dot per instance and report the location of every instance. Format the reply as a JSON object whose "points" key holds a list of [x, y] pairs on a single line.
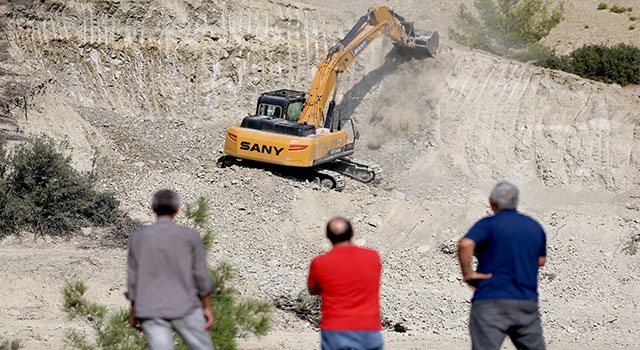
{"points": [[348, 278]]}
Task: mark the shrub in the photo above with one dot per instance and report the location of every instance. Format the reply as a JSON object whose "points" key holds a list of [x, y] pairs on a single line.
{"points": [[602, 6], [112, 331], [633, 18], [511, 28], [10, 345], [619, 64], [618, 9], [41, 192], [632, 27]]}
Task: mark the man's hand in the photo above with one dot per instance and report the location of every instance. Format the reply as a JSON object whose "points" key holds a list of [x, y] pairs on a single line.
{"points": [[465, 254], [474, 277], [208, 315], [133, 321]]}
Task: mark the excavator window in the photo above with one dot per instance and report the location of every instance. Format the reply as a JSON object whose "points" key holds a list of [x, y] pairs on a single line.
{"points": [[270, 110], [294, 110]]}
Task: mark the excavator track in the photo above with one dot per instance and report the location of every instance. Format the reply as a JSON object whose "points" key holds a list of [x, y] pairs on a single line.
{"points": [[330, 179], [357, 169], [323, 177]]}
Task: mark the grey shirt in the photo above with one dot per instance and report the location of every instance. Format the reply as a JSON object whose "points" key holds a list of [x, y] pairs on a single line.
{"points": [[167, 270]]}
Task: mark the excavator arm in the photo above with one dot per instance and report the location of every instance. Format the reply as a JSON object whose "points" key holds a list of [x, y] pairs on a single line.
{"points": [[377, 21]]}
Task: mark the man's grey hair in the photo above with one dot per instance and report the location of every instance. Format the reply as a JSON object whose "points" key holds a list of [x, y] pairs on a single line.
{"points": [[505, 195], [165, 202]]}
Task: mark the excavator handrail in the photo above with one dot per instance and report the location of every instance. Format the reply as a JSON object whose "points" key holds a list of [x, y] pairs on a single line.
{"points": [[378, 20]]}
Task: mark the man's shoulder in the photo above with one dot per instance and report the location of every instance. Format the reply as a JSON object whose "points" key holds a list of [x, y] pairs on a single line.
{"points": [[348, 253], [528, 219], [165, 225], [368, 251]]}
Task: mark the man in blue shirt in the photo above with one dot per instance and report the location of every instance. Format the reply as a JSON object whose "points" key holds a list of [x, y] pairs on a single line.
{"points": [[510, 247]]}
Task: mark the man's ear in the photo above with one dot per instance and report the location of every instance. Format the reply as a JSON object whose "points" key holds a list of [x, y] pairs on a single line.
{"points": [[494, 205]]}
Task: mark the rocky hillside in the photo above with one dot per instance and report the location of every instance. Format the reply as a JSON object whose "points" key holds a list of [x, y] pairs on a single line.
{"points": [[144, 91]]}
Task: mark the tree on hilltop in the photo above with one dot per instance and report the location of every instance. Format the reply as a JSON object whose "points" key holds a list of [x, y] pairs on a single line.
{"points": [[511, 28]]}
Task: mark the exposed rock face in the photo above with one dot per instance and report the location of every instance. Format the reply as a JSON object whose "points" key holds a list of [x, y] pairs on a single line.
{"points": [[144, 90]]}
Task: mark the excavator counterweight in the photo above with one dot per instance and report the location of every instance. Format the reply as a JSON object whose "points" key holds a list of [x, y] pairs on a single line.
{"points": [[298, 130]]}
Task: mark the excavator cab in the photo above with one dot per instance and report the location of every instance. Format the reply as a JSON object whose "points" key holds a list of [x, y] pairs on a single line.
{"points": [[286, 104]]}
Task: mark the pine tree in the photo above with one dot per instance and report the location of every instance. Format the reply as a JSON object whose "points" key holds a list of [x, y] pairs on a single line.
{"points": [[511, 28]]}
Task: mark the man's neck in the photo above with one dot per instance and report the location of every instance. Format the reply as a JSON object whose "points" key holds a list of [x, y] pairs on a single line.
{"points": [[343, 244]]}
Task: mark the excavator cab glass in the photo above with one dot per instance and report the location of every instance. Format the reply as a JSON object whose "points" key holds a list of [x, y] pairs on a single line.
{"points": [[294, 110], [270, 110]]}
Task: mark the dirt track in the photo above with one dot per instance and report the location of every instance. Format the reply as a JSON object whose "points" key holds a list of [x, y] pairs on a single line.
{"points": [[149, 92]]}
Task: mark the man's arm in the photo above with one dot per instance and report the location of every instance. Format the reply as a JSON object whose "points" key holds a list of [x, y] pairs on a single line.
{"points": [[208, 313], [133, 321], [313, 289], [132, 282], [312, 282], [466, 247], [542, 260]]}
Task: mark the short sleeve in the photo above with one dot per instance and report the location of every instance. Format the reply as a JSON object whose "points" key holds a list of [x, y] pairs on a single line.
{"points": [[480, 231], [543, 249], [312, 279]]}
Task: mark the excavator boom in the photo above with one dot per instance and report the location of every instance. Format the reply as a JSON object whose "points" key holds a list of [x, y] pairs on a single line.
{"points": [[377, 21]]}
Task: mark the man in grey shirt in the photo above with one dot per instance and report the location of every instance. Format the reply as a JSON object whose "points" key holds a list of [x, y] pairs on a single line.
{"points": [[168, 280]]}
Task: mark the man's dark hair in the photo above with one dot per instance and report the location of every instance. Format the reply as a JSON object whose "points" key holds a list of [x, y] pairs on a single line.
{"points": [[339, 230], [165, 202]]}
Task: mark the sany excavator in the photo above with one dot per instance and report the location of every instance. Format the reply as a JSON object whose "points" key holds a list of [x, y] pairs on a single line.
{"points": [[298, 131]]}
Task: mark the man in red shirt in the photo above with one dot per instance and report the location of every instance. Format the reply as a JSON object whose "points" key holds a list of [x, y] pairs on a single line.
{"points": [[347, 278]]}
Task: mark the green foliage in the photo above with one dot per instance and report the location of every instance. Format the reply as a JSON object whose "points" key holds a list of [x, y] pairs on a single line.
{"points": [[112, 331], [602, 6], [632, 27], [633, 18], [233, 317], [618, 9], [10, 345], [619, 64], [42, 193], [197, 214], [511, 28]]}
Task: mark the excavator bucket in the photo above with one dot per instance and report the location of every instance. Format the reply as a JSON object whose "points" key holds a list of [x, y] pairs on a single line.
{"points": [[421, 43], [427, 41]]}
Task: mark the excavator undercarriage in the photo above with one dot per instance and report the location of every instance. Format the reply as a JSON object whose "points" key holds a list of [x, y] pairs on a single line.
{"points": [[329, 175]]}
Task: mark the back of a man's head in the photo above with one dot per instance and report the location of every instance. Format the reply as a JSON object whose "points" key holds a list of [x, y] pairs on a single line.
{"points": [[505, 195], [165, 202], [339, 230]]}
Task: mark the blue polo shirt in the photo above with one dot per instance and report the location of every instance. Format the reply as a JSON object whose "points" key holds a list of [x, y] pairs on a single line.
{"points": [[508, 245]]}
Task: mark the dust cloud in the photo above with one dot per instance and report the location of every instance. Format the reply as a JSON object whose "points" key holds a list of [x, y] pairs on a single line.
{"points": [[408, 100]]}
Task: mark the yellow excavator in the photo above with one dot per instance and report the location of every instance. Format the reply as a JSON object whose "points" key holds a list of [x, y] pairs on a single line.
{"points": [[298, 131]]}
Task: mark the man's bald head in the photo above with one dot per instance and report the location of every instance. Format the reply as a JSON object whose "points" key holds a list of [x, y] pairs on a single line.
{"points": [[339, 230]]}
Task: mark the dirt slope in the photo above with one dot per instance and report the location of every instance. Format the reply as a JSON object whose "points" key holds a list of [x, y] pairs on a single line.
{"points": [[148, 89]]}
